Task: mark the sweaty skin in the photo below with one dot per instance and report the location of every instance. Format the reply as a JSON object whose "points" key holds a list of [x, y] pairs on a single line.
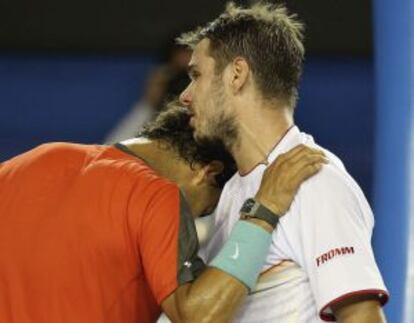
{"points": [[215, 295], [233, 96]]}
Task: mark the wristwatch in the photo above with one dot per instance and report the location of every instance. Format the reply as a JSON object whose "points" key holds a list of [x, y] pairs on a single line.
{"points": [[253, 209]]}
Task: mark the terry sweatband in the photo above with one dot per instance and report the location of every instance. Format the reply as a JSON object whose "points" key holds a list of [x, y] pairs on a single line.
{"points": [[244, 253]]}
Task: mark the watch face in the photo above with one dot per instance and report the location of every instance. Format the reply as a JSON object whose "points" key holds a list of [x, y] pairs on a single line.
{"points": [[248, 205]]}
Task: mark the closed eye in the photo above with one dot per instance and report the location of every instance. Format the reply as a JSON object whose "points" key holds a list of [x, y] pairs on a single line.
{"points": [[194, 75]]}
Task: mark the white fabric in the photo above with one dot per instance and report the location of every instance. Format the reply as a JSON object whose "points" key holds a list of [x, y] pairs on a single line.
{"points": [[204, 227], [326, 233]]}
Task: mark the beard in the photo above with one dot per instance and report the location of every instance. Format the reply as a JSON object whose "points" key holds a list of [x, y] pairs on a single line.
{"points": [[220, 125], [223, 127]]}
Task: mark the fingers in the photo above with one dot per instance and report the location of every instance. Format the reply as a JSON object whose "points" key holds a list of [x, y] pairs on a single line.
{"points": [[294, 155], [300, 171], [307, 160], [295, 159], [283, 177], [307, 171], [305, 153], [291, 153]]}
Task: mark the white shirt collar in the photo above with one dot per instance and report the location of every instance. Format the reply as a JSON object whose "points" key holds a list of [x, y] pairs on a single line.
{"points": [[287, 142], [290, 139]]}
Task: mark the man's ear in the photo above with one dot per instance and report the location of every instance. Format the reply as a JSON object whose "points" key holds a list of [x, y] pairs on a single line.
{"points": [[240, 72], [208, 173]]}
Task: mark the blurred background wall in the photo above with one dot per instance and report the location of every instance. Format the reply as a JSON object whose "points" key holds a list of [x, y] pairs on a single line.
{"points": [[70, 70]]}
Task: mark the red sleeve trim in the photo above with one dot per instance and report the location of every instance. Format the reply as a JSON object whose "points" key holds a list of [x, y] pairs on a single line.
{"points": [[383, 297]]}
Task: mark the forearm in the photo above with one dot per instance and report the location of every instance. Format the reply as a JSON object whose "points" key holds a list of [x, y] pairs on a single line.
{"points": [[368, 311], [217, 293], [213, 297]]}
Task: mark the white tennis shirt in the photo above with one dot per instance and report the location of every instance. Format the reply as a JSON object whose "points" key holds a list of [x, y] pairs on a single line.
{"points": [[321, 250]]}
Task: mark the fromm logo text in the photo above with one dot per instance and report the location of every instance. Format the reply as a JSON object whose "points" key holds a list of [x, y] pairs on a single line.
{"points": [[334, 253]]}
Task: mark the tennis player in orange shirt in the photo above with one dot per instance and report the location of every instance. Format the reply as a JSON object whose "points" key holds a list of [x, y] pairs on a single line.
{"points": [[92, 233]]}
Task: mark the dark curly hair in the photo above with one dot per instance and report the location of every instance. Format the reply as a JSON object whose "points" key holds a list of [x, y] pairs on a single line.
{"points": [[172, 126]]}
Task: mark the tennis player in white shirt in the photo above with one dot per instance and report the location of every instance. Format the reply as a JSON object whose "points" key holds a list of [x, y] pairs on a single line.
{"points": [[245, 71]]}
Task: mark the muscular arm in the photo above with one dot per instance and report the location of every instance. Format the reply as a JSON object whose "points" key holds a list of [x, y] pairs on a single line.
{"points": [[200, 302], [216, 295], [359, 310]]}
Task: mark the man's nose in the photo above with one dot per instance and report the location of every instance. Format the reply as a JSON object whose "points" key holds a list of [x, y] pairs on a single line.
{"points": [[185, 97]]}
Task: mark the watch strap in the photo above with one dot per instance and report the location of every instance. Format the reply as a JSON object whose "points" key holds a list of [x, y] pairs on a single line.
{"points": [[253, 209]]}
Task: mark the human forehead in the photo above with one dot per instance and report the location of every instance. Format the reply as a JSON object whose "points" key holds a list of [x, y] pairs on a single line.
{"points": [[200, 57]]}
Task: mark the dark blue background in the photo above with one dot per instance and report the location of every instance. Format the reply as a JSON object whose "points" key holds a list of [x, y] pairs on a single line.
{"points": [[79, 99]]}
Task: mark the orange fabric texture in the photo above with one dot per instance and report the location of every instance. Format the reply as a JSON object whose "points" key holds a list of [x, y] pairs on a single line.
{"points": [[87, 234]]}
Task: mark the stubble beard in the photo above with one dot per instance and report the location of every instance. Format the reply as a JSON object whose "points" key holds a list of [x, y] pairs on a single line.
{"points": [[221, 126]]}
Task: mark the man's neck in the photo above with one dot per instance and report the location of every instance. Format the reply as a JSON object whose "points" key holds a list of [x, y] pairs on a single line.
{"points": [[150, 151], [259, 132]]}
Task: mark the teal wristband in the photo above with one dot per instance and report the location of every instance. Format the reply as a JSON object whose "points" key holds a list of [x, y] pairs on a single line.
{"points": [[244, 253]]}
